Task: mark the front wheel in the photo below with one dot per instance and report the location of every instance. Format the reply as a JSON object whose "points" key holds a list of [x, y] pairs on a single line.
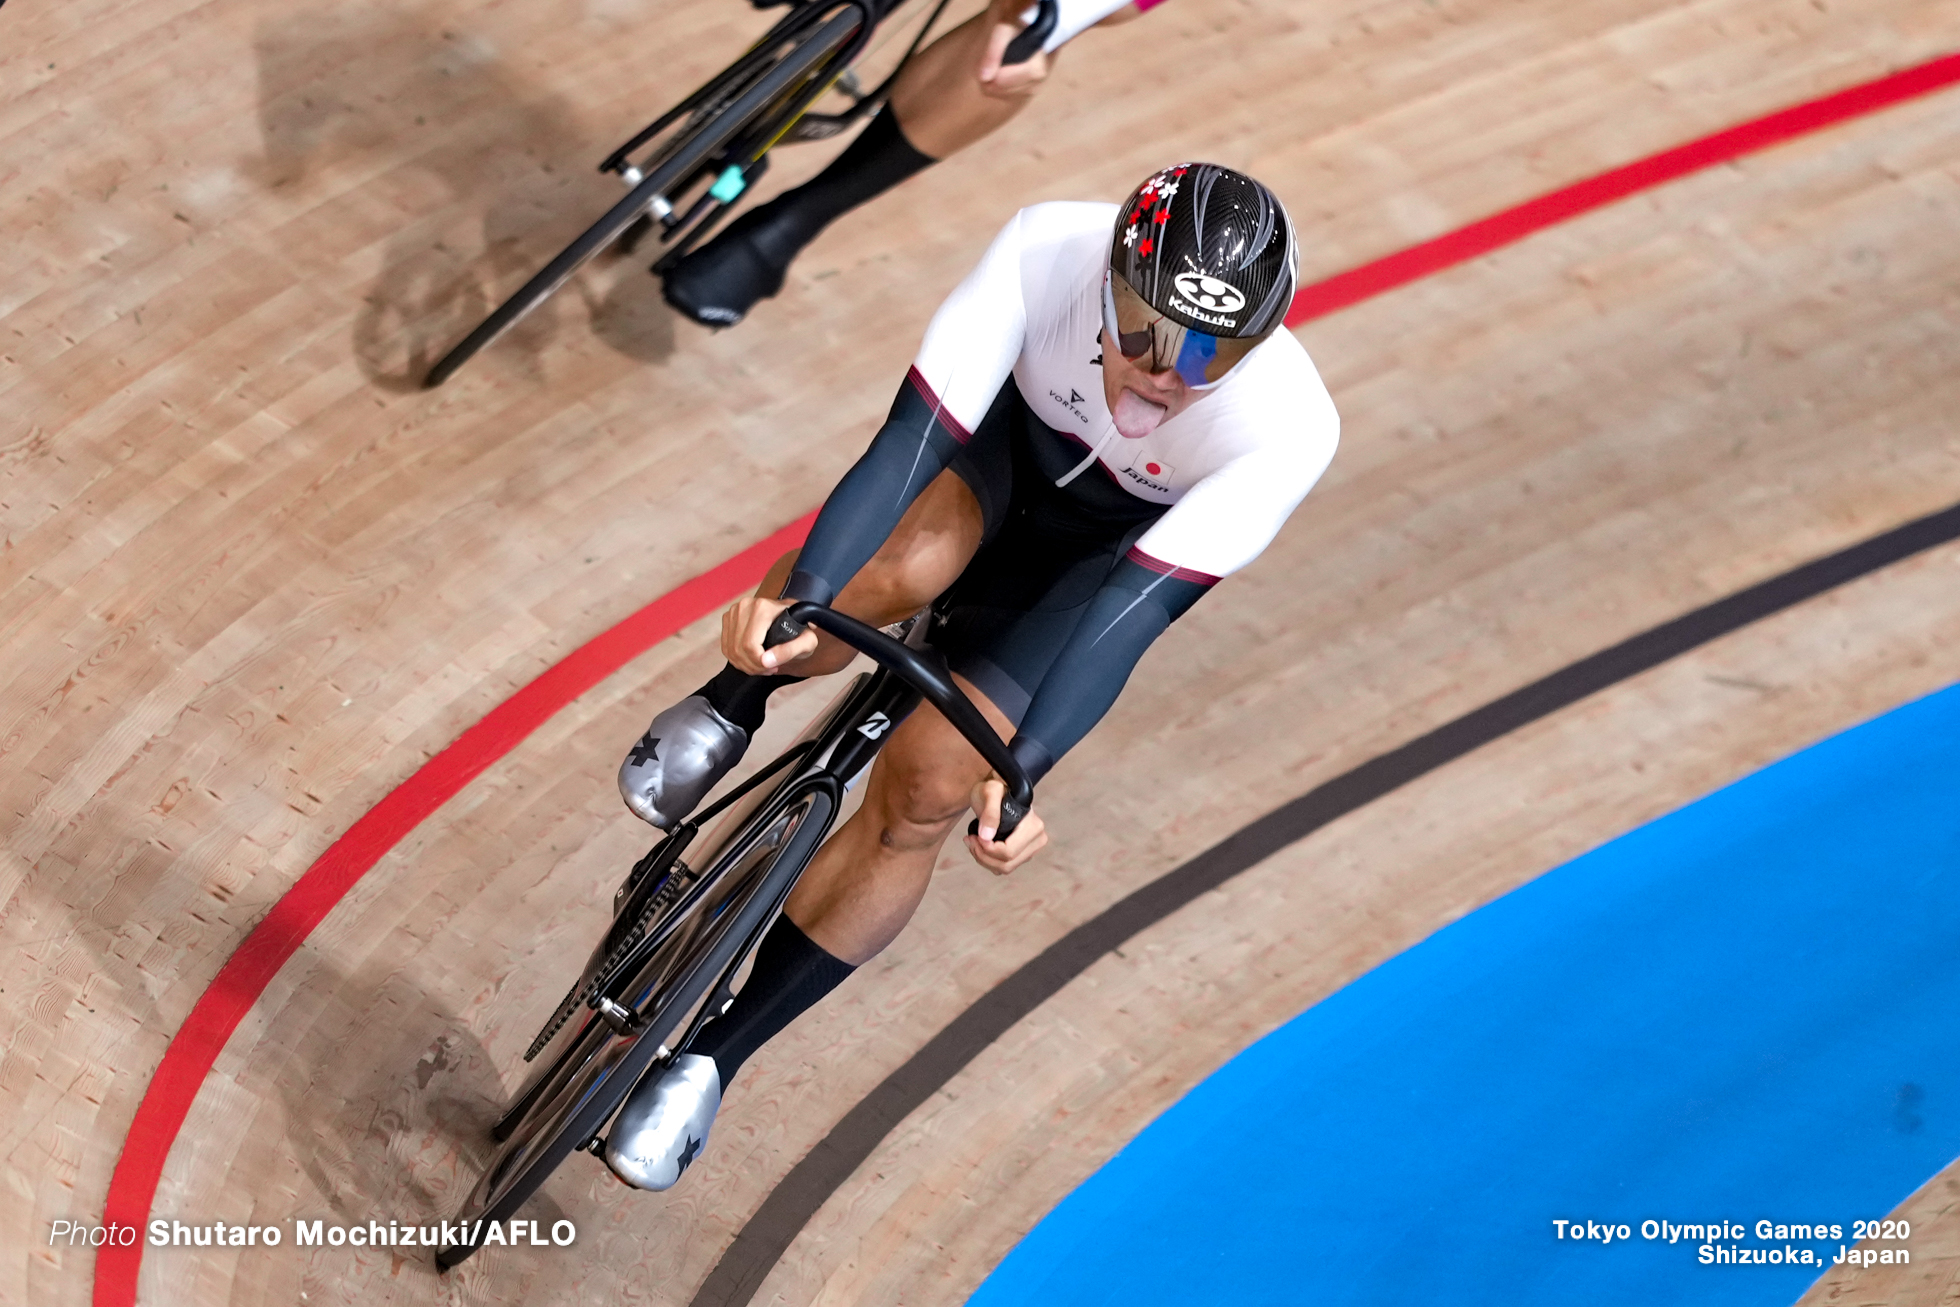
{"points": [[674, 170], [756, 875]]}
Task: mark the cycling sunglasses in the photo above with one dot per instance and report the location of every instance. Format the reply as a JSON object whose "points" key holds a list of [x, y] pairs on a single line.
{"points": [[1156, 344]]}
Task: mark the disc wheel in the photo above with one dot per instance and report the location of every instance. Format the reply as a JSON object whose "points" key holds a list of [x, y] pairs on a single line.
{"points": [[591, 1080]]}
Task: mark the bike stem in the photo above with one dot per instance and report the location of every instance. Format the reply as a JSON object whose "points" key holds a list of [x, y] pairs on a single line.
{"points": [[933, 682]]}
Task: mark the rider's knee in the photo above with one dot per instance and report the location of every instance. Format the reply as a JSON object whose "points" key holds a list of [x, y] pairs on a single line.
{"points": [[920, 800]]}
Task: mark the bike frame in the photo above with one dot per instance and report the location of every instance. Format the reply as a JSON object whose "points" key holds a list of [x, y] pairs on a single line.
{"points": [[681, 976], [733, 122]]}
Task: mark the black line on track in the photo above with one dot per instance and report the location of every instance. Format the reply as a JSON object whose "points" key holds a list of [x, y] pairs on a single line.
{"points": [[812, 1181]]}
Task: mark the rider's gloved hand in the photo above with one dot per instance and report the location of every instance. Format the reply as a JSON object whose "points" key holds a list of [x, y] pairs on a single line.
{"points": [[1028, 839], [743, 627]]}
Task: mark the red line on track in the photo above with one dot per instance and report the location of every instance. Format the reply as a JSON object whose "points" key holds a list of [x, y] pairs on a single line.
{"points": [[1514, 224], [244, 976]]}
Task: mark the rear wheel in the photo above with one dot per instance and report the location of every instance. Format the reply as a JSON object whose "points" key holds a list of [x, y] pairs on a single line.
{"points": [[591, 1080], [679, 167]]}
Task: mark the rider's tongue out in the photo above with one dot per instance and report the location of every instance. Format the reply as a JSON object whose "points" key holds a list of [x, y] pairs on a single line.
{"points": [[1136, 416]]}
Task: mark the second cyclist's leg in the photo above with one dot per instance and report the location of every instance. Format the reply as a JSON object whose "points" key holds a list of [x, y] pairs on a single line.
{"points": [[692, 745], [939, 106]]}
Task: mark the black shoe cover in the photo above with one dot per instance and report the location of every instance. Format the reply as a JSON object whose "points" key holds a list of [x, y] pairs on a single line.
{"points": [[720, 282]]}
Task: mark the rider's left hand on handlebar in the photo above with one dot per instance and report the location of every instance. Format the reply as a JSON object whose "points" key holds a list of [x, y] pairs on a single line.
{"points": [[1010, 80], [1028, 839], [743, 627]]}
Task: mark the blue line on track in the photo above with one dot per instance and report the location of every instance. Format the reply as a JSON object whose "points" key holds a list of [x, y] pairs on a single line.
{"points": [[1744, 1010]]}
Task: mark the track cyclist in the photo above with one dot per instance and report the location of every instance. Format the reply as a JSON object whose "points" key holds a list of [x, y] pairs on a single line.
{"points": [[1104, 419], [953, 93]]}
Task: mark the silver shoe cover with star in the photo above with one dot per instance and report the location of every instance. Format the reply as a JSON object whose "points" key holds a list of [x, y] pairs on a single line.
{"points": [[664, 1125], [684, 752]]}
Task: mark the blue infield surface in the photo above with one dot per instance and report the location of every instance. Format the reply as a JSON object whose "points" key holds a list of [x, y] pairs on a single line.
{"points": [[1746, 1011]]}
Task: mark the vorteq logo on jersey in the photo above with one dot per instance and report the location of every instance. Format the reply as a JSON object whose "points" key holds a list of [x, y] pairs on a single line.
{"points": [[1208, 293], [1074, 398]]}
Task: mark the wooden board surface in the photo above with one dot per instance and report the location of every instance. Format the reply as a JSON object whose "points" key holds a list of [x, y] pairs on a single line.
{"points": [[252, 578]]}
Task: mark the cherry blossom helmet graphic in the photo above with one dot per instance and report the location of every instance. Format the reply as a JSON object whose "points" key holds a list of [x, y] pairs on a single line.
{"points": [[1202, 268]]}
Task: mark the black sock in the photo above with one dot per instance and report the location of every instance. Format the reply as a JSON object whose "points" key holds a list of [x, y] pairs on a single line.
{"points": [[791, 973], [879, 159], [741, 698]]}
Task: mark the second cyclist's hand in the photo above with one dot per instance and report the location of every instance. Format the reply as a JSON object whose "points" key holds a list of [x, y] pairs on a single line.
{"points": [[1002, 857], [745, 624], [1002, 80]]}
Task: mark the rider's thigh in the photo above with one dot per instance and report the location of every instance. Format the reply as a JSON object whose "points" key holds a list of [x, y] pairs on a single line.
{"points": [[927, 771], [925, 553]]}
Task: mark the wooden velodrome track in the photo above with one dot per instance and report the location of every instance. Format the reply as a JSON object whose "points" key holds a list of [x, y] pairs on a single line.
{"points": [[253, 578]]}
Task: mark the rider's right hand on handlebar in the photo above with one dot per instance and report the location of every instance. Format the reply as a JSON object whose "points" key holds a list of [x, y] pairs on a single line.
{"points": [[1004, 856], [743, 627]]}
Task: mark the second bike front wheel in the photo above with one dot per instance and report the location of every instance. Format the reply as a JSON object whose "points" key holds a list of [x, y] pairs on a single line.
{"points": [[677, 167]]}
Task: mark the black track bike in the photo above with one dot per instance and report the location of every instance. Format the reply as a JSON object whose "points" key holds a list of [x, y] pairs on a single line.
{"points": [[690, 166], [686, 918]]}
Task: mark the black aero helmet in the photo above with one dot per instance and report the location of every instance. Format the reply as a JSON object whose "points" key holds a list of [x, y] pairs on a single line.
{"points": [[1209, 248]]}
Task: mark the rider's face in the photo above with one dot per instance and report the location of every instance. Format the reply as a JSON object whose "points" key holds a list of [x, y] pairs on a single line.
{"points": [[1165, 389]]}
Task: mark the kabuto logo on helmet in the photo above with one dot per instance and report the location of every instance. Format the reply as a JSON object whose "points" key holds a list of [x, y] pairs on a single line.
{"points": [[1209, 293], [1209, 248]]}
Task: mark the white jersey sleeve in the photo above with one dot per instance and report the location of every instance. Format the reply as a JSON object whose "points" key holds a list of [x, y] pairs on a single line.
{"points": [[1228, 519], [973, 340], [1277, 429]]}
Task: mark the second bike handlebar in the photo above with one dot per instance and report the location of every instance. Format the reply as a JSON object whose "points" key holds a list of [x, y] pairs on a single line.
{"points": [[1035, 35], [925, 676]]}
